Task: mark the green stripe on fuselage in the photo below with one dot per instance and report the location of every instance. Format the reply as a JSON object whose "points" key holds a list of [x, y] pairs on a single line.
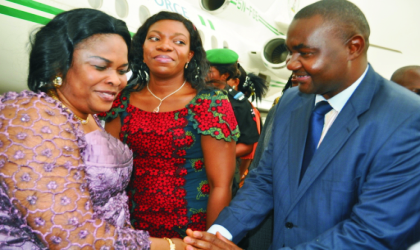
{"points": [[38, 6], [29, 16], [23, 15], [202, 20], [211, 25], [276, 86]]}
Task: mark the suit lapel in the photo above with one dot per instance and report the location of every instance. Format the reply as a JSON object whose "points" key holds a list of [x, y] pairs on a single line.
{"points": [[342, 128], [339, 133], [299, 122]]}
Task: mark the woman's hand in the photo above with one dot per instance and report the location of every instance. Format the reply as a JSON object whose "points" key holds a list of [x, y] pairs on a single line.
{"points": [[179, 244], [163, 244], [197, 240]]}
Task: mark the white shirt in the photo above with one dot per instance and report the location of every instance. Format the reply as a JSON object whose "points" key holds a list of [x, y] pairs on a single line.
{"points": [[337, 103]]}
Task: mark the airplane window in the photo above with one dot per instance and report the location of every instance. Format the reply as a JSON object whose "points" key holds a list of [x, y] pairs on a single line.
{"points": [[144, 13], [225, 45], [213, 42], [203, 38], [121, 7], [96, 4]]}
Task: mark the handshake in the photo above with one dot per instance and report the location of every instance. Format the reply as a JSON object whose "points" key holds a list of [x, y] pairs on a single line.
{"points": [[202, 240]]}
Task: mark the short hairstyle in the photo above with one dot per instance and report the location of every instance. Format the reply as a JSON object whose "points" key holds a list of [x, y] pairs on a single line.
{"points": [[346, 17], [398, 74], [231, 69], [53, 45], [197, 68]]}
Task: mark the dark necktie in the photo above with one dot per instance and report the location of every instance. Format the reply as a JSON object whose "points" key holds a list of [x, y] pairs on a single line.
{"points": [[316, 124]]}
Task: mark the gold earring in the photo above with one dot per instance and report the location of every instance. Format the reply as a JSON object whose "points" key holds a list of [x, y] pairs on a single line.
{"points": [[186, 65], [57, 82]]}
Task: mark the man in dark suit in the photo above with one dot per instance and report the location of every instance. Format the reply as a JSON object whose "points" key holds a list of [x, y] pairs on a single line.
{"points": [[357, 186], [408, 77]]}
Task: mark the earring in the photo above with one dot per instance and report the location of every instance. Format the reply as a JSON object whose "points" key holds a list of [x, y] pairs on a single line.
{"points": [[186, 65], [197, 71], [144, 76], [57, 82]]}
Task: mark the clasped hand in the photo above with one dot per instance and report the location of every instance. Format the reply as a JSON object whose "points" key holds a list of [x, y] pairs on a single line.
{"points": [[198, 240]]}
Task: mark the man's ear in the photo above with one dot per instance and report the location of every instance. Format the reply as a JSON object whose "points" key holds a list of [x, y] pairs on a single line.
{"points": [[356, 47]]}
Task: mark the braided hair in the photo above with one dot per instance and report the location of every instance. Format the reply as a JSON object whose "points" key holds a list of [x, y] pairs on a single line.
{"points": [[252, 85]]}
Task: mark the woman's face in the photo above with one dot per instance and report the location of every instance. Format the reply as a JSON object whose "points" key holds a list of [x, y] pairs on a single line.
{"points": [[97, 73], [214, 74], [166, 49]]}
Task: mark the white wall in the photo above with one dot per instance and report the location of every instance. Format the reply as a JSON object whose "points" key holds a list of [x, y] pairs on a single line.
{"points": [[394, 24]]}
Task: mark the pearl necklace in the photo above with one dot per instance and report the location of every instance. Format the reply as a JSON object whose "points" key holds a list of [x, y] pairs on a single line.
{"points": [[156, 110], [55, 97]]}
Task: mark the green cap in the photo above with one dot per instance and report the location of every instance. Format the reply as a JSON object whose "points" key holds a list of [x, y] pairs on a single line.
{"points": [[222, 56]]}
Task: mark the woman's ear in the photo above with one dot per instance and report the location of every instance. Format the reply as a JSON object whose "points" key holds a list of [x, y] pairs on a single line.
{"points": [[190, 55], [235, 83]]}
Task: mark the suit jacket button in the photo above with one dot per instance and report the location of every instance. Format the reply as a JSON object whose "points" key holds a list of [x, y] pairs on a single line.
{"points": [[289, 225]]}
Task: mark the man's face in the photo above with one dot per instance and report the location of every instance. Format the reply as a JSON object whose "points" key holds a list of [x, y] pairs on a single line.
{"points": [[318, 57]]}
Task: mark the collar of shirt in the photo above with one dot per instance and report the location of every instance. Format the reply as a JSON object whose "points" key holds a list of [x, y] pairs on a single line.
{"points": [[338, 101]]}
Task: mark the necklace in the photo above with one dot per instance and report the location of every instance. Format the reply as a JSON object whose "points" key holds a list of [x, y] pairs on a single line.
{"points": [[156, 110], [55, 97]]}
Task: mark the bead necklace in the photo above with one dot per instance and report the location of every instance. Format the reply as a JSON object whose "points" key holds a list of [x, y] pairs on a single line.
{"points": [[156, 110], [55, 97]]}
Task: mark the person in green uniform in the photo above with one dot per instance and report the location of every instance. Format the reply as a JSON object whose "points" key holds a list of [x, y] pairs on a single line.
{"points": [[224, 66]]}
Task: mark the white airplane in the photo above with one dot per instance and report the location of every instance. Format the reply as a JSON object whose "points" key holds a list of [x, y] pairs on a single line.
{"points": [[255, 29]]}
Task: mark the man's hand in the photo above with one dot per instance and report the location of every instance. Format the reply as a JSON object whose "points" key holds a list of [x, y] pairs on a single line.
{"points": [[198, 240]]}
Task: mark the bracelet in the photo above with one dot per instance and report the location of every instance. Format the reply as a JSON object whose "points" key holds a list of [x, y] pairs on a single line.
{"points": [[171, 244]]}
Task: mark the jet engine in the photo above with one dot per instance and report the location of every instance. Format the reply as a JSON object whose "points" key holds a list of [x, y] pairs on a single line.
{"points": [[274, 55], [228, 11]]}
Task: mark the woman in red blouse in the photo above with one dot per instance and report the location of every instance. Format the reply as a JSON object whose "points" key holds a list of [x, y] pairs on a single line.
{"points": [[181, 132]]}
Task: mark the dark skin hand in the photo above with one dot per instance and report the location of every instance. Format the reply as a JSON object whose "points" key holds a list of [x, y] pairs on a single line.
{"points": [[243, 149], [198, 240]]}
